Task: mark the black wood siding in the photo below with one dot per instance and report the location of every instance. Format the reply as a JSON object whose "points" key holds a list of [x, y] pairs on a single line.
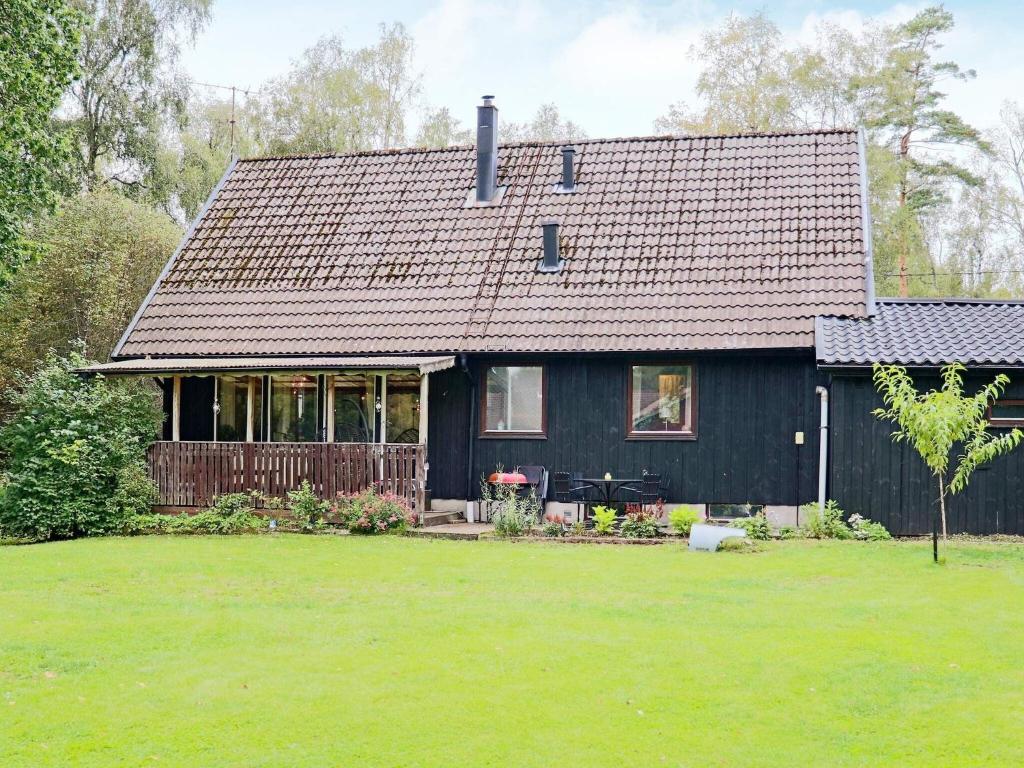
{"points": [[749, 408], [875, 477]]}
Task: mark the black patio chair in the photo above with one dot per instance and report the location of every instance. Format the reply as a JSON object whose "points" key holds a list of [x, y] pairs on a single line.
{"points": [[537, 479], [650, 489]]}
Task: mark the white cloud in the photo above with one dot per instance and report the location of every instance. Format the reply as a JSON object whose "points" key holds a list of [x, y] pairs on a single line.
{"points": [[611, 66]]}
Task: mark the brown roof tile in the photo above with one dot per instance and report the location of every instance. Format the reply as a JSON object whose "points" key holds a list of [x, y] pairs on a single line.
{"points": [[669, 243]]}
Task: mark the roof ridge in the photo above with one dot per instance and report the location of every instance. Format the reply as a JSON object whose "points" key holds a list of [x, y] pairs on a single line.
{"points": [[950, 300], [560, 143]]}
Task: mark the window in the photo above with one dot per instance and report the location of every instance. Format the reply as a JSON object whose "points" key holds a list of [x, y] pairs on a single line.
{"points": [[403, 408], [661, 401], [293, 409], [353, 408], [1006, 413], [513, 401], [232, 408], [734, 511]]}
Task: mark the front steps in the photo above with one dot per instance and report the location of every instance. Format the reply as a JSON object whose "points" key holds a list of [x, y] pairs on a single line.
{"points": [[441, 518]]}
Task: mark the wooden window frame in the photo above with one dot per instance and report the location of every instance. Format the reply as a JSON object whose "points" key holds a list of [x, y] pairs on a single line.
{"points": [[1000, 422], [494, 434], [632, 434]]}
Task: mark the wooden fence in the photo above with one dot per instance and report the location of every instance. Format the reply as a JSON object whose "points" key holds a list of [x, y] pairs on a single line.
{"points": [[190, 474]]}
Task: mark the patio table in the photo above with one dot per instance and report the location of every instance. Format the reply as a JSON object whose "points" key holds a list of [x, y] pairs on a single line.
{"points": [[609, 488]]}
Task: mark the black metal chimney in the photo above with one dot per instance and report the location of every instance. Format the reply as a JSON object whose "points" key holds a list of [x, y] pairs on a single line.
{"points": [[486, 150], [552, 261], [568, 174]]}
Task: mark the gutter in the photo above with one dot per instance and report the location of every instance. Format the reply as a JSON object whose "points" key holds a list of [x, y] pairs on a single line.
{"points": [[464, 365], [174, 257]]}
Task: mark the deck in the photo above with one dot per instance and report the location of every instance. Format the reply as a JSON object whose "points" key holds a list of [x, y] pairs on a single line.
{"points": [[192, 473]]}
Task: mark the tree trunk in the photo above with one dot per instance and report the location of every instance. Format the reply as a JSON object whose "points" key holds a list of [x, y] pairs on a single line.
{"points": [[902, 203], [942, 506]]}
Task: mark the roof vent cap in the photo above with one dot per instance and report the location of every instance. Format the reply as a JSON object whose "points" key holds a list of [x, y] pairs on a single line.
{"points": [[568, 183], [551, 261]]}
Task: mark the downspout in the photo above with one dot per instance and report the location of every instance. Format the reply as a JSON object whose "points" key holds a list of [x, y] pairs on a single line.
{"points": [[822, 393], [464, 364]]}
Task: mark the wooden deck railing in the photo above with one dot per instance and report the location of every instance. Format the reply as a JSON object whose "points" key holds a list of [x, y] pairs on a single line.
{"points": [[190, 474]]}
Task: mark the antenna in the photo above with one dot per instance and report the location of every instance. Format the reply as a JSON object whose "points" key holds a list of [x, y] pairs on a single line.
{"points": [[234, 90]]}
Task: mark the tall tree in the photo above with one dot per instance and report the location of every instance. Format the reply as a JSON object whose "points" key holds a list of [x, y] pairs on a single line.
{"points": [[903, 110], [338, 99], [743, 83], [1007, 182], [440, 129], [212, 132], [547, 125], [99, 256], [38, 44], [127, 85]]}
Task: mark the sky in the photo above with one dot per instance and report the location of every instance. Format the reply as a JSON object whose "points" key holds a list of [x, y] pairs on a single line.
{"points": [[612, 67]]}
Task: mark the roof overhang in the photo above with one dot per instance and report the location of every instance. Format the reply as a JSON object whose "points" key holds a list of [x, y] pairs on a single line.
{"points": [[208, 366]]}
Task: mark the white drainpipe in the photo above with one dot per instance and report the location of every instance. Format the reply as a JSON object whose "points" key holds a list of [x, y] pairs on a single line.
{"points": [[822, 393]]}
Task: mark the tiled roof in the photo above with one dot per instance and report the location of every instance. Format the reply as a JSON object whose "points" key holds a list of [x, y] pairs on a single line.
{"points": [[926, 333], [669, 243]]}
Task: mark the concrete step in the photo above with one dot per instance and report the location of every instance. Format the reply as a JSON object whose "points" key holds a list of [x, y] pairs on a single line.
{"points": [[441, 518]]}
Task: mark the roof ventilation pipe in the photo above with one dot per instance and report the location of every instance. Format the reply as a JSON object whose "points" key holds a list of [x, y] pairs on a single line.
{"points": [[568, 172], [486, 150], [552, 261]]}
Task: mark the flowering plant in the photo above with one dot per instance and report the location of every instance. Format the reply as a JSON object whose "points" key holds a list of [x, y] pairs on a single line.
{"points": [[373, 512], [640, 523]]}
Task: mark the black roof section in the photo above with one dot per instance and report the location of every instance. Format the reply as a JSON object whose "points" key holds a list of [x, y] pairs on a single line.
{"points": [[925, 333]]}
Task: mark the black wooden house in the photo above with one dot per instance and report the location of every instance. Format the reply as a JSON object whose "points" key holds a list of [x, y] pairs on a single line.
{"points": [[415, 318]]}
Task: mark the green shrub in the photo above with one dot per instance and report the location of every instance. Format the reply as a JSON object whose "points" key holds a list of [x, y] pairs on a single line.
{"points": [[371, 512], [306, 507], [230, 513], [737, 544], [682, 519], [640, 523], [76, 452], [604, 520], [789, 532], [554, 524], [757, 527], [147, 523], [828, 524], [868, 530], [512, 514]]}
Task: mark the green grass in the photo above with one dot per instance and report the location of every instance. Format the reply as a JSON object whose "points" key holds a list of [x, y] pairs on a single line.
{"points": [[328, 651]]}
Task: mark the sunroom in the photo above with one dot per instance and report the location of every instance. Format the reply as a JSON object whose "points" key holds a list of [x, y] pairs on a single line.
{"points": [[268, 423]]}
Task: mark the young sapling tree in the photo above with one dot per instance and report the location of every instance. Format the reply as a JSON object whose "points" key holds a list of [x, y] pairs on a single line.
{"points": [[937, 421]]}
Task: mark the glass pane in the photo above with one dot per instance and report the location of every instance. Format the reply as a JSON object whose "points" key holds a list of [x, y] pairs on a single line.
{"points": [[232, 400], [293, 416], [515, 399], [403, 416], [1009, 409], [661, 398], [353, 408]]}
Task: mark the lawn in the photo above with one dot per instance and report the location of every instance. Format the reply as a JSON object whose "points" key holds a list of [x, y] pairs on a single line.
{"points": [[348, 651]]}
